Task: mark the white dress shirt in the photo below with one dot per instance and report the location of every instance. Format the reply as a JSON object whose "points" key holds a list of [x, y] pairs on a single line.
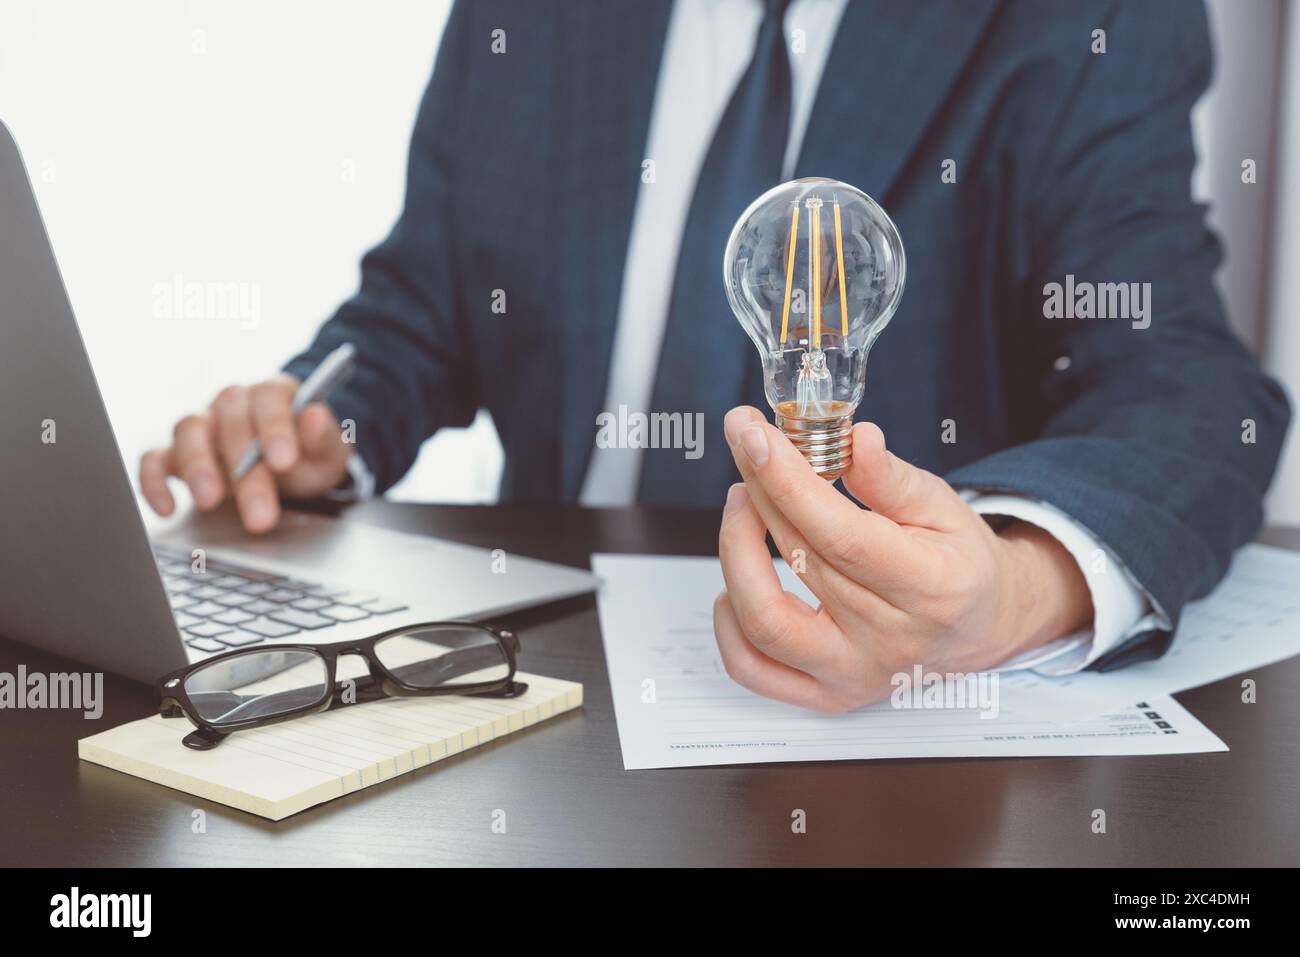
{"points": [[708, 46]]}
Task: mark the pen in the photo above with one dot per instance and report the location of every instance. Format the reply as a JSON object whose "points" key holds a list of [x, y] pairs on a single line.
{"points": [[333, 371]]}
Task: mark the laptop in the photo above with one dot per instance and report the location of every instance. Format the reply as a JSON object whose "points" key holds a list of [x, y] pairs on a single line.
{"points": [[80, 575]]}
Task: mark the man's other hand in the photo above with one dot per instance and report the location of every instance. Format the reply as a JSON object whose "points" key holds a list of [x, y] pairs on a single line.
{"points": [[919, 578], [302, 458]]}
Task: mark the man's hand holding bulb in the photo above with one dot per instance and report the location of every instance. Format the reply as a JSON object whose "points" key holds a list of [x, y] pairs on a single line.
{"points": [[918, 578], [814, 271]]}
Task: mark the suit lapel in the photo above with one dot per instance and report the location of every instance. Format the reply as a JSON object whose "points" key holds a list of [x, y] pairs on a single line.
{"points": [[889, 70], [608, 66]]}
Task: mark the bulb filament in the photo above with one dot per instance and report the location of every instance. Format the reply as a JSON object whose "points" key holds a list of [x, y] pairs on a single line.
{"points": [[814, 272], [839, 262], [789, 271], [817, 276], [813, 387]]}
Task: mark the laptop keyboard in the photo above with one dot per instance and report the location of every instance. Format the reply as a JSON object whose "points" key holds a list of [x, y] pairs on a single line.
{"points": [[228, 606]]}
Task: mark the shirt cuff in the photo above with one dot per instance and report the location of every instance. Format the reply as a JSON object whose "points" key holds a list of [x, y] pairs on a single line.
{"points": [[1121, 607], [362, 485]]}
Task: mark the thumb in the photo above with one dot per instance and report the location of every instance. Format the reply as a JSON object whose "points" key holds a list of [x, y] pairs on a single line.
{"points": [[899, 490]]}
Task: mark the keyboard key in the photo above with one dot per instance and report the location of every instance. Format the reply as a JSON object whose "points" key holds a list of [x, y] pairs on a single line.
{"points": [[283, 595], [181, 601], [209, 629], [326, 591], [245, 575], [355, 598], [311, 604], [205, 592], [206, 644], [184, 619], [299, 619], [257, 588], [235, 616], [345, 612], [231, 581], [233, 599], [204, 609], [259, 607], [238, 639], [270, 629], [176, 586], [384, 606]]}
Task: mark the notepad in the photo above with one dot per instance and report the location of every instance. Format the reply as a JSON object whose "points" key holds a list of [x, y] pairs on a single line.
{"points": [[286, 768]]}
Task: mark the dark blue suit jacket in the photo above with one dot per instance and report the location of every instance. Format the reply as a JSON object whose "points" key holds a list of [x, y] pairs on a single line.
{"points": [[524, 169]]}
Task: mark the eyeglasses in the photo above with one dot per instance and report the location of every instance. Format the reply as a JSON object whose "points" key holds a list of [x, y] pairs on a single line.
{"points": [[255, 687]]}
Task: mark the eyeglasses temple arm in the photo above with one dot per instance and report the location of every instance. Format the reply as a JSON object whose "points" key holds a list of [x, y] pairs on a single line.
{"points": [[203, 739]]}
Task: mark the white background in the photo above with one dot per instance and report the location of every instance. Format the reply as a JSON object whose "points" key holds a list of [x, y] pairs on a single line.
{"points": [[265, 144], [220, 166]]}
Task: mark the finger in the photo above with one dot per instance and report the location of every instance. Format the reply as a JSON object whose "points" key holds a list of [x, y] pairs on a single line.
{"points": [[255, 494], [232, 426], [155, 466], [899, 490], [851, 605], [320, 435], [194, 460], [846, 600], [271, 404], [789, 541], [751, 669], [841, 595], [323, 455], [808, 644], [779, 624], [865, 546]]}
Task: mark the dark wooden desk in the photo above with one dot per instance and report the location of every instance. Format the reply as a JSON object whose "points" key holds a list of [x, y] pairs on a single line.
{"points": [[569, 801]]}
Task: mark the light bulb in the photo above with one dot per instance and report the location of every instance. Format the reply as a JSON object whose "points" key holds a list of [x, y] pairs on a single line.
{"points": [[814, 271]]}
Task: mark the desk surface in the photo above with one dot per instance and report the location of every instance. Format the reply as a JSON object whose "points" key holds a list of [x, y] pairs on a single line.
{"points": [[569, 801]]}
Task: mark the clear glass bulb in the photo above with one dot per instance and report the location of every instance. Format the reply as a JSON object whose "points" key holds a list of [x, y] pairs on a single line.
{"points": [[814, 271]]}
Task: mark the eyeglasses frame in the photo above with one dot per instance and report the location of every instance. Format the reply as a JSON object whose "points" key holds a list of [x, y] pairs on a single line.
{"points": [[174, 700]]}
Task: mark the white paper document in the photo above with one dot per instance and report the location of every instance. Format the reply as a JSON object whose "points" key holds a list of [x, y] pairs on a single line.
{"points": [[676, 706], [1250, 620]]}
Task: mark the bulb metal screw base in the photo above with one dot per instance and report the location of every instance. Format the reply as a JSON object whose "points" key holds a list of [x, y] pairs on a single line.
{"points": [[825, 442]]}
